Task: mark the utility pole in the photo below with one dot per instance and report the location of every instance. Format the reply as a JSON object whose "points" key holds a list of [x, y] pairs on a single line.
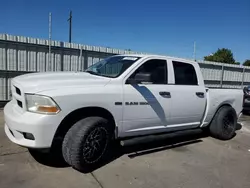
{"points": [[70, 25], [194, 51], [49, 67]]}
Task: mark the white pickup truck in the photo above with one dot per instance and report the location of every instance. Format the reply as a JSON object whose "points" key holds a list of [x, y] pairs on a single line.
{"points": [[121, 97]]}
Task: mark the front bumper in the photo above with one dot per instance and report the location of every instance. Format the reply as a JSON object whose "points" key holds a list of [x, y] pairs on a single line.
{"points": [[19, 122]]}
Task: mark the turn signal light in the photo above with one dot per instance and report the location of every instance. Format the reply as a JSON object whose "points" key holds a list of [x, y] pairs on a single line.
{"points": [[49, 109]]}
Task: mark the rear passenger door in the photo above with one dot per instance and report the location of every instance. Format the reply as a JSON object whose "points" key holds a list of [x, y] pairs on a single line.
{"points": [[188, 98]]}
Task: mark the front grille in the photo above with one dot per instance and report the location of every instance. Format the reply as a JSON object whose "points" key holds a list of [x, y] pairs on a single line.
{"points": [[18, 91], [20, 103], [17, 95]]}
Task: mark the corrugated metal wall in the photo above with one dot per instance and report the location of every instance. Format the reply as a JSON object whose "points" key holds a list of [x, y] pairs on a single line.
{"points": [[20, 55]]}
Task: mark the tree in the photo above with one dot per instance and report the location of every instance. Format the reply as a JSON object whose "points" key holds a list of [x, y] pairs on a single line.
{"points": [[128, 50], [222, 55], [247, 62]]}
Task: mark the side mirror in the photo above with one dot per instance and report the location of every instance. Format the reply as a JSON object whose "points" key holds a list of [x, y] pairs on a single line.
{"points": [[139, 78]]}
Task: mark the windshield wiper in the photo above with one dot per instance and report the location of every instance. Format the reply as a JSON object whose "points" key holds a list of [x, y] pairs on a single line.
{"points": [[92, 72], [95, 73]]}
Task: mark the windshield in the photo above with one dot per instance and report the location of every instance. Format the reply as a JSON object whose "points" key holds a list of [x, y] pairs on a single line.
{"points": [[112, 66]]}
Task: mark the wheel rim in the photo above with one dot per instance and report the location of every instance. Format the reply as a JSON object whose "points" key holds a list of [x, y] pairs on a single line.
{"points": [[228, 124], [95, 144]]}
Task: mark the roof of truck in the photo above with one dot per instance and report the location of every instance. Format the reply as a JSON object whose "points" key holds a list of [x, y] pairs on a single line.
{"points": [[157, 56]]}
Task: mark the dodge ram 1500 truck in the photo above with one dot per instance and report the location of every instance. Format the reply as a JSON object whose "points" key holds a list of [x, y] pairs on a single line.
{"points": [[120, 97]]}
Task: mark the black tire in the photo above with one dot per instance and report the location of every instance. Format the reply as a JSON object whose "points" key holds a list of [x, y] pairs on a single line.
{"points": [[81, 148], [223, 125], [66, 145]]}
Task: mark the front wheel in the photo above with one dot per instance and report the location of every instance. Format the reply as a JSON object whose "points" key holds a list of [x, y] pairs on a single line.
{"points": [[86, 142], [223, 125]]}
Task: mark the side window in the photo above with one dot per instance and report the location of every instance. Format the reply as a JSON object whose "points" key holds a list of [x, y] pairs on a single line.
{"points": [[184, 74], [157, 69]]}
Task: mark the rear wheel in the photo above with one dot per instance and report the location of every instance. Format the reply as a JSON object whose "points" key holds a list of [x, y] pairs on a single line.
{"points": [[86, 143], [223, 125]]}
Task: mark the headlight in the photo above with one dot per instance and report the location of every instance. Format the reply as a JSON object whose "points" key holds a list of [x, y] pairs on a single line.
{"points": [[41, 104]]}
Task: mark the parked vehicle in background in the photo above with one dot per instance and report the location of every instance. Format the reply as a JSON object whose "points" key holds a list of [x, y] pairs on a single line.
{"points": [[122, 97], [246, 103]]}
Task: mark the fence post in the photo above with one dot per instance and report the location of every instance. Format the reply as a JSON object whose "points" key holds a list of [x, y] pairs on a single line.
{"points": [[17, 58], [222, 75], [27, 59], [36, 58], [85, 60], [6, 73], [80, 60], [243, 77], [61, 59], [45, 61]]}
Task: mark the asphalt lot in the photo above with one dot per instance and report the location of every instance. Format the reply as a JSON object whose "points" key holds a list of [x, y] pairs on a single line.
{"points": [[190, 161]]}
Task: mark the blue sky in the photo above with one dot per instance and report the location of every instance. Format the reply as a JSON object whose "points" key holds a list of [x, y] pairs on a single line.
{"points": [[167, 27]]}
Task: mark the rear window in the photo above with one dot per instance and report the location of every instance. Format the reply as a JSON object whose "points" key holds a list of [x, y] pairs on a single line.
{"points": [[184, 74]]}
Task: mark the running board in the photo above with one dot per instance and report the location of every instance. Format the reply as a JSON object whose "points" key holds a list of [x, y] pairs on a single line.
{"points": [[159, 137]]}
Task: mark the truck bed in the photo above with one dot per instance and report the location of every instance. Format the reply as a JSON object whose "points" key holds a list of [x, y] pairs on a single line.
{"points": [[219, 97]]}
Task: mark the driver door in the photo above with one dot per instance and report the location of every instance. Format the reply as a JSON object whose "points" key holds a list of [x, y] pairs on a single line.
{"points": [[146, 104]]}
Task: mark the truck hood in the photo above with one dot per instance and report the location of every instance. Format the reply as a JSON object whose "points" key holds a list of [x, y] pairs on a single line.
{"points": [[38, 82]]}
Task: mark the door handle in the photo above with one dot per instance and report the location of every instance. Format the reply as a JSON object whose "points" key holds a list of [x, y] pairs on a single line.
{"points": [[165, 94], [200, 94]]}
